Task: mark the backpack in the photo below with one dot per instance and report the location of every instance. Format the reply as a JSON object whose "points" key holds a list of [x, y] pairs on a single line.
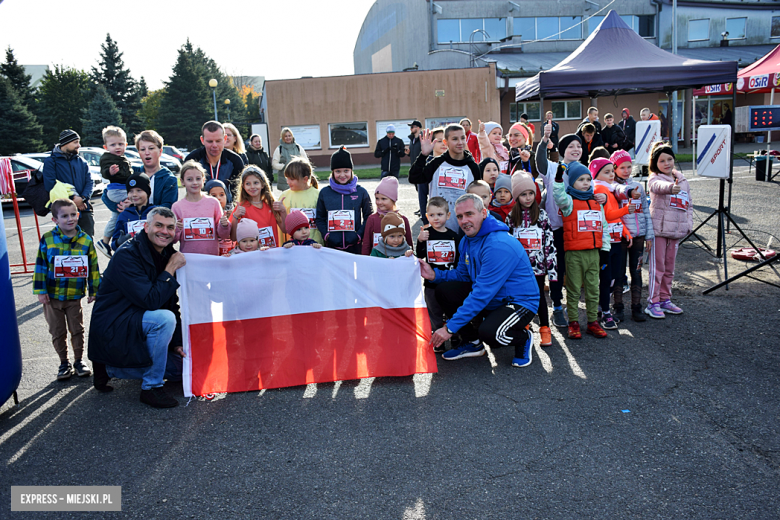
{"points": [[36, 195]]}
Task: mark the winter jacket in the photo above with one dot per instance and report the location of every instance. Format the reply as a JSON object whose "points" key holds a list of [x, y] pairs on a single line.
{"points": [[260, 159], [131, 214], [540, 247], [228, 169], [440, 250], [490, 150], [446, 177], [132, 284], [165, 188], [390, 152], [547, 171], [628, 126], [498, 267], [70, 169], [639, 223], [554, 134], [359, 202], [473, 145], [669, 221], [588, 147], [415, 147], [46, 279], [613, 212], [573, 238], [613, 135], [516, 164], [585, 121]]}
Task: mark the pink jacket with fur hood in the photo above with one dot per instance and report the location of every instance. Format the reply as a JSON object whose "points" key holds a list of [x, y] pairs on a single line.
{"points": [[669, 221]]}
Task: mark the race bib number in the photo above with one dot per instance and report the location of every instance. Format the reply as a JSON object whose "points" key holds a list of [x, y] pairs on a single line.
{"points": [[441, 251], [266, 237], [135, 227], [76, 266], [225, 247], [680, 201], [530, 238], [615, 232], [377, 236], [503, 166], [201, 228], [310, 213], [452, 178], [341, 220], [589, 220]]}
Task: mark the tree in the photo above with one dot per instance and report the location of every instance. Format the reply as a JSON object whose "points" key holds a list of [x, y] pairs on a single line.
{"points": [[62, 97], [18, 78], [120, 85], [150, 109], [101, 113], [19, 130], [186, 103]]}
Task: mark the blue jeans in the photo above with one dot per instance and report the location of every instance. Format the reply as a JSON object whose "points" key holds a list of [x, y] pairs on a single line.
{"points": [[115, 196], [158, 326]]}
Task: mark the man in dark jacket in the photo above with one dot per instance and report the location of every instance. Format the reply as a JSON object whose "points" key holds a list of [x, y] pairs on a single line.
{"points": [[258, 156], [612, 135], [628, 125], [225, 165], [135, 332], [414, 140], [65, 165], [390, 149]]}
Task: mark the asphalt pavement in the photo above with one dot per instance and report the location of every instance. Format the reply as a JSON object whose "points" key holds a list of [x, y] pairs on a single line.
{"points": [[676, 418]]}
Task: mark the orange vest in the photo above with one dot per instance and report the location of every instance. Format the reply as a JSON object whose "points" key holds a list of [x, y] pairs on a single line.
{"points": [[580, 234]]}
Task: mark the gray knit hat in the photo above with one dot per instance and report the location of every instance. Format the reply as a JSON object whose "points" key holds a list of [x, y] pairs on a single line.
{"points": [[68, 136]]}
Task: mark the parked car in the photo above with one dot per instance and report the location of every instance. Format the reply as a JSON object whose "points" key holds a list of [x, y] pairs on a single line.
{"points": [[92, 154], [170, 162], [23, 165]]}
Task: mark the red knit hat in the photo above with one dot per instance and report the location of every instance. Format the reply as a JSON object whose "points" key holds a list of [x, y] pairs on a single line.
{"points": [[619, 157], [596, 165], [295, 220]]}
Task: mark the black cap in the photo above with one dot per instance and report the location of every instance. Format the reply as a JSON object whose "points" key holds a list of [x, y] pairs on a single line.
{"points": [[68, 136], [141, 181], [341, 159], [416, 123]]}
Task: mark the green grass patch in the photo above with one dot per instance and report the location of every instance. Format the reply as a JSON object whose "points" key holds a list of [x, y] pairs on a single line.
{"points": [[367, 173]]}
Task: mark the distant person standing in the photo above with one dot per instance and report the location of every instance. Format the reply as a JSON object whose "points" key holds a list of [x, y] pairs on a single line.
{"points": [[257, 155], [390, 149], [413, 149], [471, 140], [65, 165], [287, 149], [234, 143], [628, 125]]}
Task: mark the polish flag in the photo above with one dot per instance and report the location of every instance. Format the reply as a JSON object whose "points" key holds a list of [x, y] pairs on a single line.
{"points": [[288, 317]]}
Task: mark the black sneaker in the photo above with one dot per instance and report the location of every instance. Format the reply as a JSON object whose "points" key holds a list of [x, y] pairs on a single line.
{"points": [[158, 398], [560, 319], [618, 314], [81, 369], [637, 313], [103, 248], [65, 371], [101, 379]]}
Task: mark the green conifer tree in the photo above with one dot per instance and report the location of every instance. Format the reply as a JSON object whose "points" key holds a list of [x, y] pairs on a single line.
{"points": [[19, 130]]}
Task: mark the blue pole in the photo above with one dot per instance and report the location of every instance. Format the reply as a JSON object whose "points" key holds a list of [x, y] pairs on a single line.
{"points": [[10, 347], [214, 91]]}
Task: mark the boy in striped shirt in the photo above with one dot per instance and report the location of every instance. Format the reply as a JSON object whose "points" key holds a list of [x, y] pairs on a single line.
{"points": [[66, 264]]}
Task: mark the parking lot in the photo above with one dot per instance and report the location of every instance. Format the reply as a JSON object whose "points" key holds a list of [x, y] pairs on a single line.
{"points": [[665, 419]]}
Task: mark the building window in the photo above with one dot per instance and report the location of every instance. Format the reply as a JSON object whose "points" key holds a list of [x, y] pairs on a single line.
{"points": [[699, 30], [775, 27], [348, 134], [567, 109], [736, 28], [593, 23], [549, 28], [307, 136], [531, 109], [643, 25], [435, 122], [460, 30]]}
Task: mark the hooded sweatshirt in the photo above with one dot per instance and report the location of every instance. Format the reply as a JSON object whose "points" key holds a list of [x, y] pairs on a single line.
{"points": [[498, 267]]}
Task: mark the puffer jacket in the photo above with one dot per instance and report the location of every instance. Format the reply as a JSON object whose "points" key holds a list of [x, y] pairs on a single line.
{"points": [[639, 224], [669, 222]]}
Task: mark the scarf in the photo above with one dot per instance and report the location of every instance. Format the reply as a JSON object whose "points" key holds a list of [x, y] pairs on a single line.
{"points": [[344, 189], [288, 151], [580, 195], [501, 151], [392, 251]]}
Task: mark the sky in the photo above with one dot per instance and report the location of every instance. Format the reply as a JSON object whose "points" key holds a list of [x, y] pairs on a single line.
{"points": [[272, 38]]}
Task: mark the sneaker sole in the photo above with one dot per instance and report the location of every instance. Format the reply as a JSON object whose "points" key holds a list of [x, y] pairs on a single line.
{"points": [[65, 377], [595, 335], [654, 316], [104, 251], [465, 355], [670, 312], [83, 374], [605, 327], [530, 354]]}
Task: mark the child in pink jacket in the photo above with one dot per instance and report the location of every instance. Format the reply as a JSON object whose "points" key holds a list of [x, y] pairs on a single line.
{"points": [[672, 214]]}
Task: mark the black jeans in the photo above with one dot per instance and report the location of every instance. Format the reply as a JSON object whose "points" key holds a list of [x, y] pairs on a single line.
{"points": [[556, 288], [87, 222], [634, 255], [499, 327], [544, 314]]}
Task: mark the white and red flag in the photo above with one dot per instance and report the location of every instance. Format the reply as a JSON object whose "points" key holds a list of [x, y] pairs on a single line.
{"points": [[288, 317]]}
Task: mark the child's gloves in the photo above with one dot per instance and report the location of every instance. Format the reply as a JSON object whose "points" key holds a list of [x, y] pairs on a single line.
{"points": [[559, 173]]}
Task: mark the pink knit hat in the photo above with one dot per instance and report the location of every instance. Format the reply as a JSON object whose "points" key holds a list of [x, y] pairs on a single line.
{"points": [[521, 182], [388, 187], [247, 228], [596, 165], [295, 220], [619, 157]]}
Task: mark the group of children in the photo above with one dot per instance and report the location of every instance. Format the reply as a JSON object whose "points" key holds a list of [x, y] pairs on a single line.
{"points": [[578, 224]]}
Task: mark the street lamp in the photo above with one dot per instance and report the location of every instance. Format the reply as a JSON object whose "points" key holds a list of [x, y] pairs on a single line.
{"points": [[213, 85], [227, 105]]}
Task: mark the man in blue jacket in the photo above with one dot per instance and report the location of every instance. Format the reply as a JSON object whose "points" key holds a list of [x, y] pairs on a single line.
{"points": [[492, 295], [65, 165], [135, 332]]}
